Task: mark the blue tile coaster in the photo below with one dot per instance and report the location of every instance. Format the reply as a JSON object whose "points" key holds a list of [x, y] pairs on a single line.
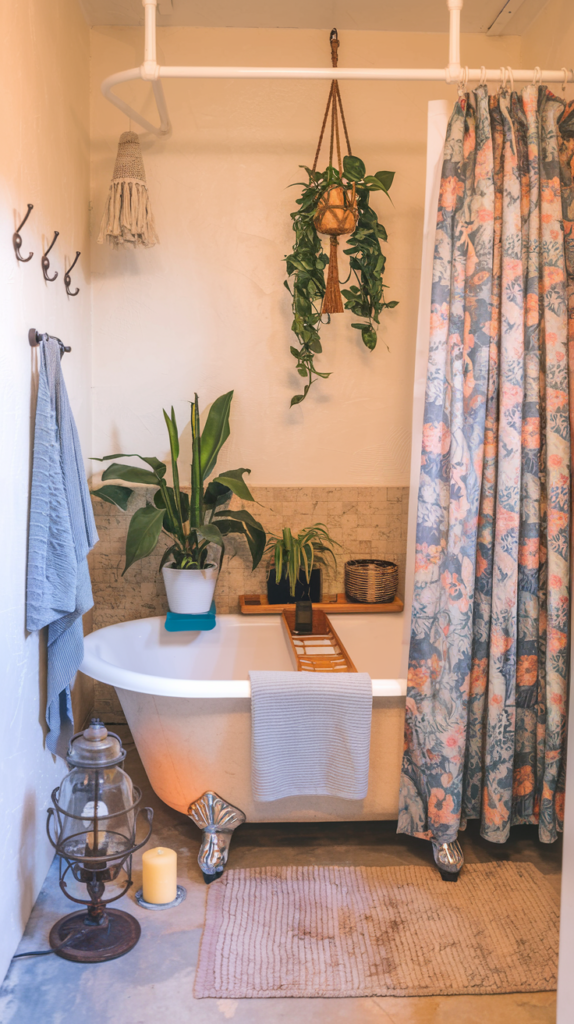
{"points": [[175, 623]]}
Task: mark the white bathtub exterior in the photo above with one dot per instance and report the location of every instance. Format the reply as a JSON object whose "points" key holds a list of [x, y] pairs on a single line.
{"points": [[186, 697]]}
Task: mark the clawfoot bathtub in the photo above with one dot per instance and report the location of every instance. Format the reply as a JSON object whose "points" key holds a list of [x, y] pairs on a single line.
{"points": [[186, 698]]}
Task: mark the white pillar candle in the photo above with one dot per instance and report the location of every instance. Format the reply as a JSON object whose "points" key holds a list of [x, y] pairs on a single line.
{"points": [[159, 871]]}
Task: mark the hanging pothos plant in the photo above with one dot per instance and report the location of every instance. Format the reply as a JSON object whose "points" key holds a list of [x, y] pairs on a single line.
{"points": [[335, 202]]}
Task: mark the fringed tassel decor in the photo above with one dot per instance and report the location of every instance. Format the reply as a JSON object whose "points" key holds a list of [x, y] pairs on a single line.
{"points": [[127, 218], [332, 302]]}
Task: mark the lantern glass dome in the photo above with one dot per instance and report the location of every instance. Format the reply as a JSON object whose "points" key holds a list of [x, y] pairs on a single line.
{"points": [[95, 809]]}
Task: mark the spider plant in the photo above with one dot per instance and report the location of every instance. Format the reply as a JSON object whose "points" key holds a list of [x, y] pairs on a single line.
{"points": [[191, 521], [310, 549]]}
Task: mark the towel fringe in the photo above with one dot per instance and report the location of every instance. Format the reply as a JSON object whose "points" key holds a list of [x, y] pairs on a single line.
{"points": [[128, 218]]}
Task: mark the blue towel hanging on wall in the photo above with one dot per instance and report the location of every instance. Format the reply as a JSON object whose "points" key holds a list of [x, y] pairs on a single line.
{"points": [[62, 532]]}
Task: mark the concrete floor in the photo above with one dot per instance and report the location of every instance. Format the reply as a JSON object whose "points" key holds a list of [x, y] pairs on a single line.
{"points": [[154, 982]]}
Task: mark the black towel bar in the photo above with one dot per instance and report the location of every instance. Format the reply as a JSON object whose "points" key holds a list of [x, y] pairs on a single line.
{"points": [[34, 337]]}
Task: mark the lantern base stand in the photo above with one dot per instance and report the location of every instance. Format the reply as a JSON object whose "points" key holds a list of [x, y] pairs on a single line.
{"points": [[116, 935]]}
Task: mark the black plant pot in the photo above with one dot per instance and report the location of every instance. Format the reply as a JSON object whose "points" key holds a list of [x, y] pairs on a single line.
{"points": [[278, 593]]}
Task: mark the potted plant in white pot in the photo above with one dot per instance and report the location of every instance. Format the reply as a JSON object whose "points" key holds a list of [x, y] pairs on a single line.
{"points": [[192, 521]]}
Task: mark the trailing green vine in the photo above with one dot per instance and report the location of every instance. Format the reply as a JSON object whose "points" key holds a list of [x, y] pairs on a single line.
{"points": [[306, 264]]}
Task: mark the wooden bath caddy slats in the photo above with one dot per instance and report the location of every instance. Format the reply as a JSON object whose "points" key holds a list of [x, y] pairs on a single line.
{"points": [[257, 604], [319, 651]]}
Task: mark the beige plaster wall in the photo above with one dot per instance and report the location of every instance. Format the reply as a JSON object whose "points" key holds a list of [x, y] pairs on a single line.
{"points": [[206, 310], [44, 56]]}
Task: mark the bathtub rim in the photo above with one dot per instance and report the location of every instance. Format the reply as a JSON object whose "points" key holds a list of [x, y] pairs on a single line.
{"points": [[99, 668]]}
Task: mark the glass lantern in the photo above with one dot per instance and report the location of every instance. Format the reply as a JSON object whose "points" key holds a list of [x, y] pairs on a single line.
{"points": [[94, 817]]}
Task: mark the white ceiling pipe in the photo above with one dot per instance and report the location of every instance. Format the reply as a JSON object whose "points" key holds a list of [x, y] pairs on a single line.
{"points": [[363, 74], [150, 31], [454, 8], [151, 71]]}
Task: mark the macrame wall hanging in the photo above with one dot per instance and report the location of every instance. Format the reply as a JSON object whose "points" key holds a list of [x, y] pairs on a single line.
{"points": [[127, 219], [335, 202]]}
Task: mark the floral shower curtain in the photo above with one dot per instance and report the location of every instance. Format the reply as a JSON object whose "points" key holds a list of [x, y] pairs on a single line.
{"points": [[486, 703]]}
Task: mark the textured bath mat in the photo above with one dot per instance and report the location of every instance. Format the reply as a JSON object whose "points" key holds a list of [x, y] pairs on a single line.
{"points": [[400, 931]]}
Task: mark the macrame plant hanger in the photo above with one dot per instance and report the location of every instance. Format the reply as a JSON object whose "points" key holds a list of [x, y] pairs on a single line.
{"points": [[337, 209]]}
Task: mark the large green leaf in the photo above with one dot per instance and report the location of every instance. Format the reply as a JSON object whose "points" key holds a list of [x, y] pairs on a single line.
{"points": [[114, 494], [175, 500], [375, 184], [369, 338], [196, 504], [133, 474], [158, 467], [172, 431], [353, 168], [233, 480], [211, 532], [215, 433], [159, 502], [143, 534], [386, 178], [215, 494], [244, 523]]}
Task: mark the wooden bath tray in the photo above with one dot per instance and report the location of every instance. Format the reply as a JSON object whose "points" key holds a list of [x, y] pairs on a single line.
{"points": [[257, 604], [319, 651]]}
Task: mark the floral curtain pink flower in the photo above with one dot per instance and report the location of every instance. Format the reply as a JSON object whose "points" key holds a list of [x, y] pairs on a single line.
{"points": [[486, 704]]}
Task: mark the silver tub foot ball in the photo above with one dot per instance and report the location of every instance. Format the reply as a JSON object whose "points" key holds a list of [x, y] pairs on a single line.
{"points": [[449, 859], [217, 820]]}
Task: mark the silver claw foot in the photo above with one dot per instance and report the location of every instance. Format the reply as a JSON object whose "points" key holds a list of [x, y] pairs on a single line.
{"points": [[449, 859], [217, 820]]}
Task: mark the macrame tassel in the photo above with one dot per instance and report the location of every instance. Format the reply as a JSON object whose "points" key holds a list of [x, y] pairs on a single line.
{"points": [[128, 220], [333, 303]]}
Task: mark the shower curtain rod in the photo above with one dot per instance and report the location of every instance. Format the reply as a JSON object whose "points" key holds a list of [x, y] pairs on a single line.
{"points": [[151, 71]]}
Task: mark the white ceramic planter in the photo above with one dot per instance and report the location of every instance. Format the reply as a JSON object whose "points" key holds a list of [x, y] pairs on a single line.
{"points": [[190, 591]]}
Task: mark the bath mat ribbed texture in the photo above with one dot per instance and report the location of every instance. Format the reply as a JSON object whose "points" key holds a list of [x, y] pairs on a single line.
{"points": [[398, 931]]}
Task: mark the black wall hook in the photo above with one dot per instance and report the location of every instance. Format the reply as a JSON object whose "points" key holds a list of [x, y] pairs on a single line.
{"points": [[17, 238], [68, 279], [46, 261], [34, 337]]}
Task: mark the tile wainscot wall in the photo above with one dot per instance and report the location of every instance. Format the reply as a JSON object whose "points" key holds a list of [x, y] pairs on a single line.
{"points": [[366, 521]]}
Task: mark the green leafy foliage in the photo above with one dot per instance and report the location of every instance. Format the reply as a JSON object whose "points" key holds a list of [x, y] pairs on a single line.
{"points": [[311, 548], [115, 494], [306, 264], [143, 534], [192, 521]]}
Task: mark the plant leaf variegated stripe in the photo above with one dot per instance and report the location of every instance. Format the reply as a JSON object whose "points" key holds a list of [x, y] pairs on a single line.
{"points": [[306, 264], [310, 549], [194, 521]]}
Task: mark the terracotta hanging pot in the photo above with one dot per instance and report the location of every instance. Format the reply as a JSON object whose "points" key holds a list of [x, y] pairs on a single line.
{"points": [[337, 214]]}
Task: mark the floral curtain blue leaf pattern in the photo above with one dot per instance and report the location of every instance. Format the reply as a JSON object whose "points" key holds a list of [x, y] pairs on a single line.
{"points": [[486, 702]]}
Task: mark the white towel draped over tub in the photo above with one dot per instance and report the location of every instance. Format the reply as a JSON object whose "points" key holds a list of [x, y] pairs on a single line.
{"points": [[311, 734]]}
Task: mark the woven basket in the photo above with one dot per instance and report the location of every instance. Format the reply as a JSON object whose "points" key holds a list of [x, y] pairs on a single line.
{"points": [[371, 580]]}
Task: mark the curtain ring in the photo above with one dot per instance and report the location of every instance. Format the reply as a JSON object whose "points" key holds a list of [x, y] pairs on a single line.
{"points": [[565, 80], [462, 81], [537, 76], [482, 75], [510, 78]]}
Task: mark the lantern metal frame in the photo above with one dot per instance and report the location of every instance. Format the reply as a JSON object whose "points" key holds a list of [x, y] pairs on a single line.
{"points": [[101, 933]]}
